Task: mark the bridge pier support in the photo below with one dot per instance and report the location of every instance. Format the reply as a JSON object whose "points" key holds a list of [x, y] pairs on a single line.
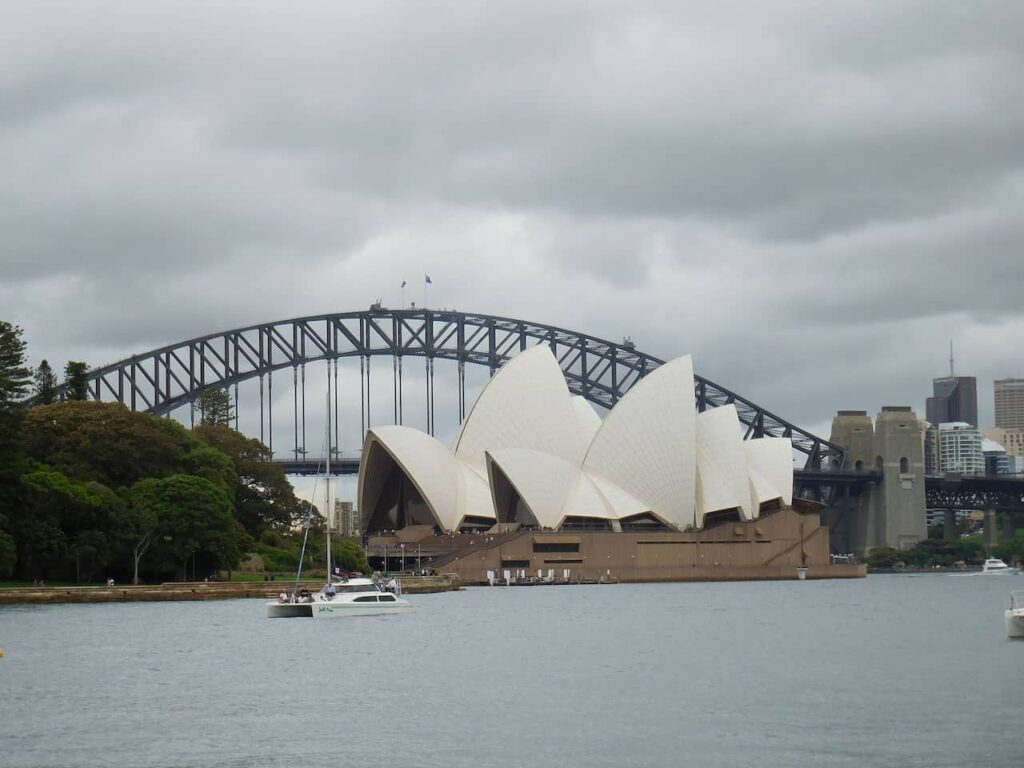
{"points": [[892, 513], [991, 530], [949, 532]]}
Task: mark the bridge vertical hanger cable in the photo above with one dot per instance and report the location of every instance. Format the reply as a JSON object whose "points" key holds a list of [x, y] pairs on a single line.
{"points": [[462, 391], [270, 400], [337, 428], [426, 378], [329, 429], [234, 347], [295, 406], [394, 383], [460, 331], [362, 399], [303, 409], [401, 416]]}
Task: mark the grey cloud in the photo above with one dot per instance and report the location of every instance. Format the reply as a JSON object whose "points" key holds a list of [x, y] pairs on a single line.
{"points": [[801, 196]]}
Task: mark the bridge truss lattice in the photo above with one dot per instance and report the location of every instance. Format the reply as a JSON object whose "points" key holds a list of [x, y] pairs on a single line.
{"points": [[601, 371]]}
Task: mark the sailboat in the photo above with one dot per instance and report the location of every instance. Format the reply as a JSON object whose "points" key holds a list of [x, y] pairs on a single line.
{"points": [[339, 596]]}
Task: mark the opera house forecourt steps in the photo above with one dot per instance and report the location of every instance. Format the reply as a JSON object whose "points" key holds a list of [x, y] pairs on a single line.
{"points": [[538, 485]]}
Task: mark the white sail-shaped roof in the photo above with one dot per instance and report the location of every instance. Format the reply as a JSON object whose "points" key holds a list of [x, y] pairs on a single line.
{"points": [[530, 451], [525, 405], [475, 494], [427, 462], [760, 491], [620, 502], [542, 481], [587, 423], [586, 500], [646, 443], [723, 482], [771, 458]]}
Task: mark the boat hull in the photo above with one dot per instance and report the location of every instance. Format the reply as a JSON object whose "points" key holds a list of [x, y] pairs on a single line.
{"points": [[1015, 623], [289, 610], [334, 610], [342, 610]]}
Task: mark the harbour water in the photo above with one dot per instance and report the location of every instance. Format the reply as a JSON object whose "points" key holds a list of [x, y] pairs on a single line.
{"points": [[902, 670]]}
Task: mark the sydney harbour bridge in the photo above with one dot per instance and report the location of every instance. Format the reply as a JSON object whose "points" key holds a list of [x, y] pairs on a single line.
{"points": [[256, 362]]}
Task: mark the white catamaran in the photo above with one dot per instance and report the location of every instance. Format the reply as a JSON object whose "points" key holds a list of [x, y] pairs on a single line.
{"points": [[339, 597]]}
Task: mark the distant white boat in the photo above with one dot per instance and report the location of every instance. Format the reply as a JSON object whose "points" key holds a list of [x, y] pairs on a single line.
{"points": [[355, 597], [995, 565], [1015, 616]]}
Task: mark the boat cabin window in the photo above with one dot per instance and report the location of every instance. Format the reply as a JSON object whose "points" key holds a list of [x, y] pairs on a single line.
{"points": [[386, 598], [356, 587], [366, 599]]}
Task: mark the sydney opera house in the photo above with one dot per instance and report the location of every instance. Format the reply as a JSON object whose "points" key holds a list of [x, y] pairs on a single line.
{"points": [[537, 485]]}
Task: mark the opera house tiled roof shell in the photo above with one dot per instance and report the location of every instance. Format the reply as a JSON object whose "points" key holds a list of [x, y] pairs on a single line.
{"points": [[531, 453]]}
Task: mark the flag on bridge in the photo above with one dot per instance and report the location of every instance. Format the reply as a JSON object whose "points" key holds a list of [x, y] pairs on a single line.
{"points": [[427, 280]]}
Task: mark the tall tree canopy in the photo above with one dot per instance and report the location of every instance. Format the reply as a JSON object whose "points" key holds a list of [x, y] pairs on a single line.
{"points": [[193, 520], [264, 499], [214, 407], [76, 377], [14, 374], [61, 524], [46, 384], [108, 443], [14, 382]]}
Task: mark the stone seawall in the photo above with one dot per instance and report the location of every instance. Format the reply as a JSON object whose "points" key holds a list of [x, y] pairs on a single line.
{"points": [[411, 585]]}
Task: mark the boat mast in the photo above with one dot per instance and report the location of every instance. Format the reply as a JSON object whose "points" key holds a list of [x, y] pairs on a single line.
{"points": [[329, 500]]}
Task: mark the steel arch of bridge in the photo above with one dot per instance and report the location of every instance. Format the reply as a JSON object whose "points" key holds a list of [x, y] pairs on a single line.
{"points": [[601, 371]]}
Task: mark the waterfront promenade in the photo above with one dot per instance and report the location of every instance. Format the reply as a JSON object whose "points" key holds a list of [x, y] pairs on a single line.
{"points": [[201, 590]]}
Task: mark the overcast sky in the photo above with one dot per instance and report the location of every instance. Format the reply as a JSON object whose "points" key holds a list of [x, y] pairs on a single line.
{"points": [[811, 198]]}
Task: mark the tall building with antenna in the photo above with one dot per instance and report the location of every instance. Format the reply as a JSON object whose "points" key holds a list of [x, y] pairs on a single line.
{"points": [[954, 398]]}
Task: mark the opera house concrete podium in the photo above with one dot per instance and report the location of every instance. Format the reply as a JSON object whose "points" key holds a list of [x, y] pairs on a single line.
{"points": [[539, 486]]}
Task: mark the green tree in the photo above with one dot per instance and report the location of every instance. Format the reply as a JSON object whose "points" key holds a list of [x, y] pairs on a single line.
{"points": [[885, 557], [76, 378], [264, 498], [14, 374], [214, 407], [194, 520], [8, 554], [117, 447], [136, 526], [60, 521], [14, 384], [46, 384], [350, 556]]}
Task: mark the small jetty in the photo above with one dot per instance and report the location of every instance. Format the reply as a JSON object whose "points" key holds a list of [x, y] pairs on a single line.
{"points": [[202, 590]]}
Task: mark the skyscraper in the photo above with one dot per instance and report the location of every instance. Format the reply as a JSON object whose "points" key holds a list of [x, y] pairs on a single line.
{"points": [[960, 449], [954, 398], [1009, 401]]}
